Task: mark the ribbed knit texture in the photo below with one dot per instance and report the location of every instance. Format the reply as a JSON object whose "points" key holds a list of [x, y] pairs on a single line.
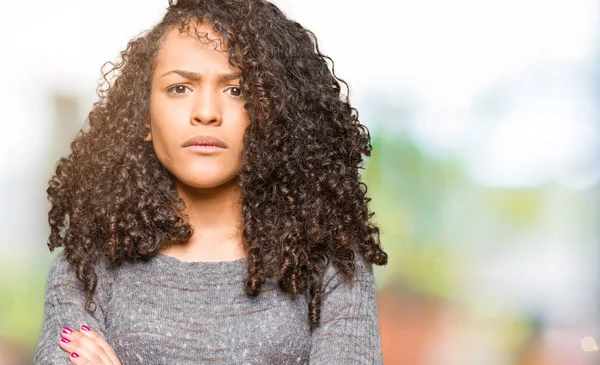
{"points": [[167, 311]]}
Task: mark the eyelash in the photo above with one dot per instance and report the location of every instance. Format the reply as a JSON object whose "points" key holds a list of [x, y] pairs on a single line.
{"points": [[170, 90]]}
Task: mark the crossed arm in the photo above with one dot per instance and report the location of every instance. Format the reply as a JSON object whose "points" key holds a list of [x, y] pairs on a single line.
{"points": [[349, 330], [348, 333], [64, 308]]}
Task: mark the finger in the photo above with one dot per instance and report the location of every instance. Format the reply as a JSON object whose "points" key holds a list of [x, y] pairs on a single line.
{"points": [[93, 352], [68, 340], [85, 348], [67, 345], [85, 355], [99, 340], [77, 359]]}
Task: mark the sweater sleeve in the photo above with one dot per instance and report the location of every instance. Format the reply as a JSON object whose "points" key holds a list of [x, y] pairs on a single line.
{"points": [[64, 307], [349, 330]]}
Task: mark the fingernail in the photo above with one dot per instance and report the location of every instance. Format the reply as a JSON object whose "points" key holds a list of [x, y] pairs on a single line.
{"points": [[74, 354], [65, 340], [84, 327], [67, 330]]}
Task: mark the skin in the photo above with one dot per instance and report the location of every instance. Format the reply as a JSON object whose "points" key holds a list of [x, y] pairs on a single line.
{"points": [[181, 107], [88, 347]]}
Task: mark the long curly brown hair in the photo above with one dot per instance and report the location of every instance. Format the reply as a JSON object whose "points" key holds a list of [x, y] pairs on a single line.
{"points": [[303, 202]]}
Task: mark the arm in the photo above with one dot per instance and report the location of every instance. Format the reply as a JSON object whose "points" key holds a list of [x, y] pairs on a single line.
{"points": [[349, 329], [64, 307]]}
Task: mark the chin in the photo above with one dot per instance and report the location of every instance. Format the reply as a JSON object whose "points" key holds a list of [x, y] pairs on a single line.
{"points": [[206, 180]]}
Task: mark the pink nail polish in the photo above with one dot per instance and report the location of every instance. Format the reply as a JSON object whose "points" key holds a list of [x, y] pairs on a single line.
{"points": [[65, 340], [67, 330], [74, 354], [84, 327]]}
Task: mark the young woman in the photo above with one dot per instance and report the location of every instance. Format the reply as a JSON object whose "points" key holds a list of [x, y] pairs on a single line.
{"points": [[213, 210]]}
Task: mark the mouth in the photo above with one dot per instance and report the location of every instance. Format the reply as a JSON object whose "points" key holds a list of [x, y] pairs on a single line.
{"points": [[204, 145], [204, 148], [202, 141]]}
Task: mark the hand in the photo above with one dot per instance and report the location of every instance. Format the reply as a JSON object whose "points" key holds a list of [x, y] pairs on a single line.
{"points": [[87, 347]]}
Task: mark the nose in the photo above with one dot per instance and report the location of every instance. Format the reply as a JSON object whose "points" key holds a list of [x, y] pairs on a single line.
{"points": [[207, 108]]}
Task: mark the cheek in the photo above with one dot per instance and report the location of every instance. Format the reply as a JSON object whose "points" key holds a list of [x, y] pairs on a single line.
{"points": [[163, 118], [240, 115]]}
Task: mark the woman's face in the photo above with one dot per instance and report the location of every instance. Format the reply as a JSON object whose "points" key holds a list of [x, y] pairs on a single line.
{"points": [[195, 92]]}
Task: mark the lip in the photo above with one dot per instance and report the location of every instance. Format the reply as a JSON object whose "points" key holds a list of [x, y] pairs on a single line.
{"points": [[204, 141]]}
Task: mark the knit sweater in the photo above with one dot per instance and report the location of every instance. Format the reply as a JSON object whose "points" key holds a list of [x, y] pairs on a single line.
{"points": [[168, 311]]}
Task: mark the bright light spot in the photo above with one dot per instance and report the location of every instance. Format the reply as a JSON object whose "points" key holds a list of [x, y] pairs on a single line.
{"points": [[588, 344]]}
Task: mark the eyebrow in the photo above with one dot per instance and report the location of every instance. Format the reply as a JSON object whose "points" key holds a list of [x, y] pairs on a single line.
{"points": [[197, 76]]}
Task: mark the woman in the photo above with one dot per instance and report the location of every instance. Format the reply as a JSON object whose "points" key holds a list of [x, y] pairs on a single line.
{"points": [[213, 211]]}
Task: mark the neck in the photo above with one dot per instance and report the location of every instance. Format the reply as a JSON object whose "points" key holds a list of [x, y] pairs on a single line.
{"points": [[215, 215]]}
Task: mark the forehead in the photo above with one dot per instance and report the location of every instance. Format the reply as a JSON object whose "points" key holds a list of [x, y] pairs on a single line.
{"points": [[198, 44]]}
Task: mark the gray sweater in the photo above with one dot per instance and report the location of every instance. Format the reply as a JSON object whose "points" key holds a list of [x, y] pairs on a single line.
{"points": [[167, 311]]}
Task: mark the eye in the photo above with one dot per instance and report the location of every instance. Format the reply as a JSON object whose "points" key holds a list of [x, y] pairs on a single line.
{"points": [[236, 92], [175, 89]]}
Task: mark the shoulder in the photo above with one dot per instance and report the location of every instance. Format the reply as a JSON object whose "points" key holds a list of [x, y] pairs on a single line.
{"points": [[63, 273], [61, 265], [363, 273]]}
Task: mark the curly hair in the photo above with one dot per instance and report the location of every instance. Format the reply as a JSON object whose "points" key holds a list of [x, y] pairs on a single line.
{"points": [[303, 203]]}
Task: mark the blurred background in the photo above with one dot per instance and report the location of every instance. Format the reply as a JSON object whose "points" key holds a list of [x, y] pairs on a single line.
{"points": [[485, 173]]}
